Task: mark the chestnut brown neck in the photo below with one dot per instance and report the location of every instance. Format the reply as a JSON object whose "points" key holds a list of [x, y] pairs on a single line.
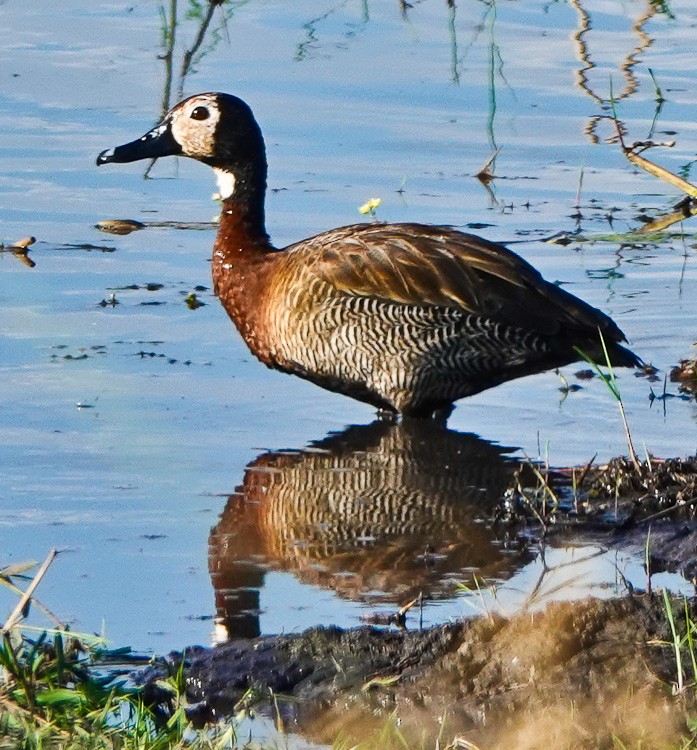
{"points": [[241, 233], [243, 257], [243, 263]]}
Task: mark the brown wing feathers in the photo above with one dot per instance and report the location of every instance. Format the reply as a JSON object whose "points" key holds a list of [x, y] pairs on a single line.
{"points": [[430, 265]]}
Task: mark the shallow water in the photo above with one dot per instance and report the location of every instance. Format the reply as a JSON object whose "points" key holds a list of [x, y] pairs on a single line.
{"points": [[125, 430]]}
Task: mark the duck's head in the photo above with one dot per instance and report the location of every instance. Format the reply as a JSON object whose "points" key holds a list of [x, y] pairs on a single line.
{"points": [[216, 129]]}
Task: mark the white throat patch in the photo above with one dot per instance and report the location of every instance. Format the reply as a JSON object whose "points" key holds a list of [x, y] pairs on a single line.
{"points": [[226, 183]]}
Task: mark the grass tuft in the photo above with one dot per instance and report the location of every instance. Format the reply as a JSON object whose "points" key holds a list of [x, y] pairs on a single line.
{"points": [[610, 382]]}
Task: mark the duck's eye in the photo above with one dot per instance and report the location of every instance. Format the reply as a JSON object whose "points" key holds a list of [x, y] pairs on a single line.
{"points": [[200, 113]]}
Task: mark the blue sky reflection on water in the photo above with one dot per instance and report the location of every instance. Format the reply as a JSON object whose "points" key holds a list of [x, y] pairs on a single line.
{"points": [[351, 107]]}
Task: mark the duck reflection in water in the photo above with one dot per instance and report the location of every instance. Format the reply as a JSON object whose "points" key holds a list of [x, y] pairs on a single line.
{"points": [[379, 513]]}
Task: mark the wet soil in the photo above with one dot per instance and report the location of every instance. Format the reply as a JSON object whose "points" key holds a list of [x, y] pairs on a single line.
{"points": [[571, 676]]}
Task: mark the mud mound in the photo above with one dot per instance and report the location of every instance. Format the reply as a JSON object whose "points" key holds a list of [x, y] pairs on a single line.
{"points": [[572, 676]]}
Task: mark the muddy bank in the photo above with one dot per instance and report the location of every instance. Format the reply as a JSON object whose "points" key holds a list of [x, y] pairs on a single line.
{"points": [[571, 676]]}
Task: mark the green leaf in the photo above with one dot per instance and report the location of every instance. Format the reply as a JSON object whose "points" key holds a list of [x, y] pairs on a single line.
{"points": [[60, 698]]}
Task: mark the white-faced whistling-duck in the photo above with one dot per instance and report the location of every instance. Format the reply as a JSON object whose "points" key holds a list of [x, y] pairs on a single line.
{"points": [[407, 317]]}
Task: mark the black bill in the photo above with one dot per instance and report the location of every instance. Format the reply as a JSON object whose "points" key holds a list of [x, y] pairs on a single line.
{"points": [[157, 142]]}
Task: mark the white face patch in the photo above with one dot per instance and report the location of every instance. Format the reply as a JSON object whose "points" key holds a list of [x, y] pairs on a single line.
{"points": [[226, 183], [196, 135]]}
